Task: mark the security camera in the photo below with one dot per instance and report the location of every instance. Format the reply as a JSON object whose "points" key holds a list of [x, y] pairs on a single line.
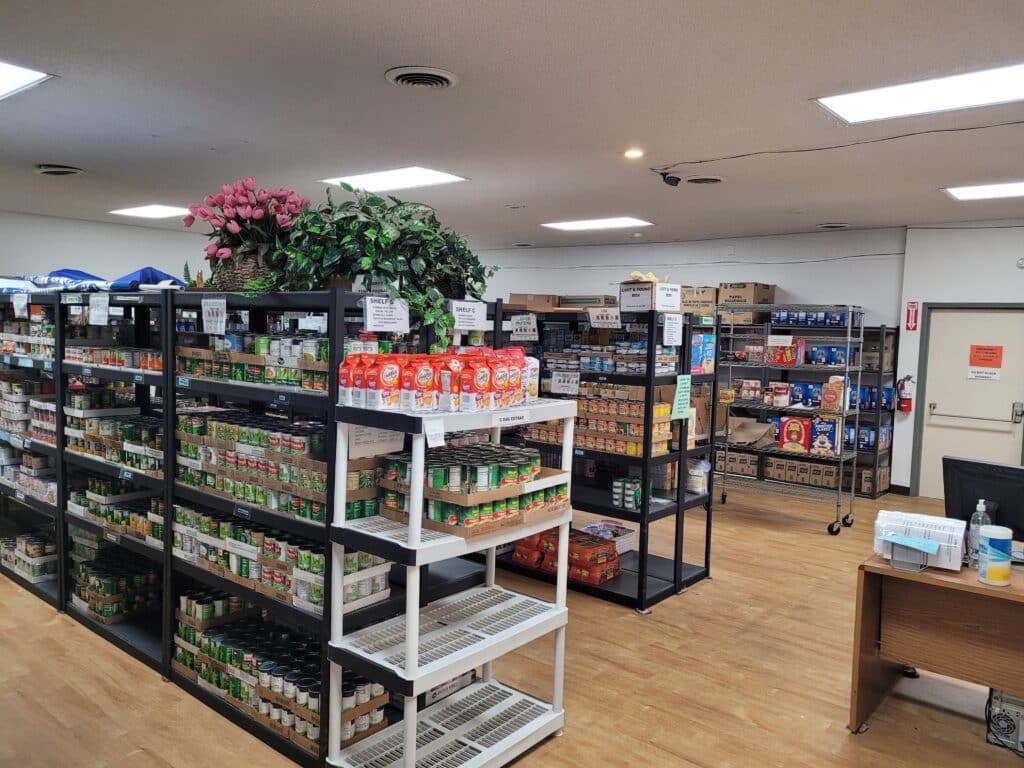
{"points": [[672, 181]]}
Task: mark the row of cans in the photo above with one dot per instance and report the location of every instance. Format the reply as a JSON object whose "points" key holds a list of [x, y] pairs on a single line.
{"points": [[267, 469], [93, 398], [299, 438], [279, 502], [355, 510], [117, 357], [494, 511], [473, 468], [253, 373], [308, 347], [129, 459]]}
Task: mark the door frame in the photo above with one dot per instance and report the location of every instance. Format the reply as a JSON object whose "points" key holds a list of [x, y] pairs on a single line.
{"points": [[922, 376]]}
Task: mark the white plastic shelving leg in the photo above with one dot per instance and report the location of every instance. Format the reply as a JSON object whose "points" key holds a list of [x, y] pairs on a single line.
{"points": [[337, 590], [409, 721], [419, 447], [412, 620]]}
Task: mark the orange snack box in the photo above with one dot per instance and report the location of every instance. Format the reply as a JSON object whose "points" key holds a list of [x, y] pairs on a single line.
{"points": [[476, 387], [359, 364], [383, 384], [346, 374], [418, 385], [448, 382]]}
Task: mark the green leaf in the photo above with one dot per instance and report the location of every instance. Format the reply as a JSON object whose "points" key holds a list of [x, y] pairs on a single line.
{"points": [[418, 265]]}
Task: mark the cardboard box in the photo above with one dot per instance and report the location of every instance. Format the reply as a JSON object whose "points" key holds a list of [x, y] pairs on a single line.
{"points": [[817, 474], [641, 296], [539, 302], [698, 300], [744, 293], [873, 353], [792, 471], [829, 476], [586, 300], [803, 472]]}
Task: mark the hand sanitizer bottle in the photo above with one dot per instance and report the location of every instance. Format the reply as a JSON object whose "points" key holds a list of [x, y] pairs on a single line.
{"points": [[978, 519]]}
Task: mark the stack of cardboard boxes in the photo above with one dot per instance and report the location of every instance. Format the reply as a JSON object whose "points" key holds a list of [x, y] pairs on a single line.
{"points": [[816, 474]]}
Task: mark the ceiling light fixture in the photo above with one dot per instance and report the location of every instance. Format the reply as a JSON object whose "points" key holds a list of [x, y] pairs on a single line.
{"points": [[704, 179], [834, 225], [50, 169], [974, 89], [152, 211], [633, 153], [616, 222], [987, 191], [14, 79], [399, 178]]}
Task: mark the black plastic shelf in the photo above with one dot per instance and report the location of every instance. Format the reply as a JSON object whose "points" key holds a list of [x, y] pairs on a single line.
{"points": [[24, 361], [113, 470], [117, 299], [271, 302], [294, 525], [50, 297], [44, 590], [125, 540], [260, 393], [40, 507], [108, 373], [620, 459], [28, 444], [282, 612], [139, 636], [638, 379]]}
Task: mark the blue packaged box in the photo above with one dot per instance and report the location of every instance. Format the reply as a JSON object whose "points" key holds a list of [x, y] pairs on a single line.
{"points": [[887, 398], [885, 437], [796, 393], [776, 422], [850, 436], [837, 318], [825, 435], [812, 395], [837, 356], [866, 438], [820, 355], [816, 318], [702, 354], [801, 317], [865, 398]]}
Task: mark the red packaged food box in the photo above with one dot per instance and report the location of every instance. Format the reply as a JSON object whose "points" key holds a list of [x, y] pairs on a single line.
{"points": [[795, 434], [549, 542], [549, 563], [791, 354], [529, 557], [529, 542], [595, 574], [590, 550]]}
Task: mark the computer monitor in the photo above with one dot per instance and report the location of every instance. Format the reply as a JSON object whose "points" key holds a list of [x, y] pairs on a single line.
{"points": [[966, 480]]}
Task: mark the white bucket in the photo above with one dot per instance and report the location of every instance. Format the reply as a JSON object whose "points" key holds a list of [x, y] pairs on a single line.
{"points": [[994, 543]]}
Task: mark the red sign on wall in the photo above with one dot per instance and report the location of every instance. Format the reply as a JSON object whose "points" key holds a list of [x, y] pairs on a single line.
{"points": [[913, 315], [986, 356]]}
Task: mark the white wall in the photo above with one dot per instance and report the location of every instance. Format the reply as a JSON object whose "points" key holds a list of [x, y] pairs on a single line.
{"points": [[862, 267], [39, 244], [957, 263]]}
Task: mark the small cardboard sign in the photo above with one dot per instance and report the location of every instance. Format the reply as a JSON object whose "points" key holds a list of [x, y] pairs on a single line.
{"points": [[604, 317], [565, 382], [384, 315]]}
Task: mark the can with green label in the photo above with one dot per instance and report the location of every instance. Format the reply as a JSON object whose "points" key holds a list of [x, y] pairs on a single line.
{"points": [[469, 516], [369, 507], [500, 510], [512, 506], [437, 476], [508, 474], [525, 470]]}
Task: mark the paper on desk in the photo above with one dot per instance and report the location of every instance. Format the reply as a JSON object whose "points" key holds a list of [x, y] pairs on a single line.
{"points": [[921, 545]]}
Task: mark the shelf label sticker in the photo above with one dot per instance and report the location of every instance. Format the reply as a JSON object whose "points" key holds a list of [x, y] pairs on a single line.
{"points": [[707, 320], [780, 341], [469, 315], [47, 365], [139, 378], [726, 396], [112, 537], [565, 382], [19, 495], [122, 298], [87, 371], [7, 359], [26, 362], [242, 512], [20, 303], [434, 430], [370, 441], [510, 419], [382, 314], [99, 308], [681, 402], [126, 474], [71, 298], [673, 333], [604, 317], [215, 315], [26, 444], [183, 382], [282, 397], [578, 451], [524, 327]]}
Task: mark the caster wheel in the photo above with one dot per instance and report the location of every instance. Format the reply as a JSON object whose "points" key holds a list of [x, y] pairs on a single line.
{"points": [[833, 528], [848, 521], [724, 497]]}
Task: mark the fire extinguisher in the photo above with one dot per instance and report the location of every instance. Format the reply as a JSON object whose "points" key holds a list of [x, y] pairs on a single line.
{"points": [[905, 394]]}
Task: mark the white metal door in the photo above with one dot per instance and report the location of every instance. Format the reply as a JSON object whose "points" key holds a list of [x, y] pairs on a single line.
{"points": [[974, 390]]}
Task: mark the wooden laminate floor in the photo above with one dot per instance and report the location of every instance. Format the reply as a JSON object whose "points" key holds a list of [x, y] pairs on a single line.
{"points": [[750, 668]]}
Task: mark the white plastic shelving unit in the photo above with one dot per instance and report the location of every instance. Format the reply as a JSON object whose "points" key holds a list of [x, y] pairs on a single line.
{"points": [[486, 724]]}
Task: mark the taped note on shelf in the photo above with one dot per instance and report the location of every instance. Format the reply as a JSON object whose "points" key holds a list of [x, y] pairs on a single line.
{"points": [[370, 441], [524, 327], [215, 315], [604, 317], [681, 403], [565, 382], [470, 315], [780, 341], [434, 430], [20, 303], [673, 335], [99, 308], [384, 315], [510, 418]]}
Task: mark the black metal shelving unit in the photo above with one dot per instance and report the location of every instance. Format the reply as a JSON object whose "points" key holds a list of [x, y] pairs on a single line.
{"points": [[881, 377], [646, 578]]}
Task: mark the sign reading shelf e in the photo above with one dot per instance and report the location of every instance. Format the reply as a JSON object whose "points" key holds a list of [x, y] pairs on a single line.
{"points": [[381, 314], [99, 308], [469, 315], [673, 332], [20, 303]]}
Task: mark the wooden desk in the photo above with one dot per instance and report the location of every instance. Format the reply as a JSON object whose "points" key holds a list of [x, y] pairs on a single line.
{"points": [[944, 622]]}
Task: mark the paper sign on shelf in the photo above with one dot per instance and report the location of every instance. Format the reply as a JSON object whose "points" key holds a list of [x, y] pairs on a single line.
{"points": [[434, 431], [99, 308], [370, 441], [565, 382], [681, 403], [604, 317], [20, 303], [469, 315], [381, 314], [780, 341], [524, 327], [510, 418], [673, 334], [215, 315]]}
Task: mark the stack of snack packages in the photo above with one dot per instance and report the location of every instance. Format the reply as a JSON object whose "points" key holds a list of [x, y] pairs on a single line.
{"points": [[474, 380], [592, 560]]}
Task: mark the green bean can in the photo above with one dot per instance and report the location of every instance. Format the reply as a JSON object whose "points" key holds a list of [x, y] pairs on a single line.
{"points": [[512, 506], [469, 516], [438, 476], [525, 470], [485, 512], [508, 474], [369, 507], [500, 510]]}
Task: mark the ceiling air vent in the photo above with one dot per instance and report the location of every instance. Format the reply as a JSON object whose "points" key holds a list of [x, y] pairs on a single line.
{"points": [[421, 77], [45, 169], [834, 225], [704, 179]]}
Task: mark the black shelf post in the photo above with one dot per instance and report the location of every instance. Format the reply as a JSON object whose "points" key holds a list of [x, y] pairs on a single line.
{"points": [[168, 326], [60, 314]]}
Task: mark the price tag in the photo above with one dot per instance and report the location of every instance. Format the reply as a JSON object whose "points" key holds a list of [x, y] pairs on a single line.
{"points": [[381, 314], [579, 452], [215, 315], [183, 382], [707, 320], [434, 430], [565, 382], [524, 327], [511, 418], [604, 317], [99, 308], [19, 495], [282, 397], [126, 474], [242, 512], [673, 335], [139, 378], [48, 365], [71, 298], [112, 537], [87, 371], [26, 362], [26, 444], [470, 315], [20, 302], [681, 403], [726, 395]]}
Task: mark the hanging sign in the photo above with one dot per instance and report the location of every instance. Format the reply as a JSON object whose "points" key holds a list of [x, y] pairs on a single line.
{"points": [[985, 362], [215, 316], [470, 315], [381, 314], [565, 382], [20, 302], [434, 431], [681, 402], [99, 308], [524, 327], [604, 317], [673, 334]]}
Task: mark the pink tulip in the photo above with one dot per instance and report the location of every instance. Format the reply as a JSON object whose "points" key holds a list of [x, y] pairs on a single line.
{"points": [[188, 221], [239, 189], [283, 221], [211, 250], [217, 222], [229, 212], [227, 189], [250, 183], [224, 253], [218, 200], [245, 211], [194, 209], [205, 214], [258, 213], [275, 208], [262, 196], [234, 227], [230, 200], [210, 200]]}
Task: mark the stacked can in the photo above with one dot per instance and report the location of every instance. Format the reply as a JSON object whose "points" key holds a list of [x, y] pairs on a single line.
{"points": [[626, 493]]}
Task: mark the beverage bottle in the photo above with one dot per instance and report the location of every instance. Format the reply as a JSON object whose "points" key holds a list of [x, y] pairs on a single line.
{"points": [[978, 519]]}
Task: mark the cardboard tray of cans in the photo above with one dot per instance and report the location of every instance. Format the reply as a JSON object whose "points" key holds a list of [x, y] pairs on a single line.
{"points": [[202, 353], [231, 497], [203, 625], [248, 477], [365, 734], [469, 499], [181, 669], [306, 714], [486, 529], [277, 594], [305, 462], [365, 709], [155, 473], [617, 436], [83, 606]]}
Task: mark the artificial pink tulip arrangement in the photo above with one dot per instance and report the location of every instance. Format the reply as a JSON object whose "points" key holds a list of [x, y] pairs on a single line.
{"points": [[246, 221]]}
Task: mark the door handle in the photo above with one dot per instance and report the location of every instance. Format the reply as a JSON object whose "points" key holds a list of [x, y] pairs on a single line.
{"points": [[1016, 414]]}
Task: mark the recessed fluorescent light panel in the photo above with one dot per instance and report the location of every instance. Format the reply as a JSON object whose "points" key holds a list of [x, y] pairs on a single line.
{"points": [[987, 191], [618, 222], [975, 89], [152, 211], [14, 79], [400, 178]]}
